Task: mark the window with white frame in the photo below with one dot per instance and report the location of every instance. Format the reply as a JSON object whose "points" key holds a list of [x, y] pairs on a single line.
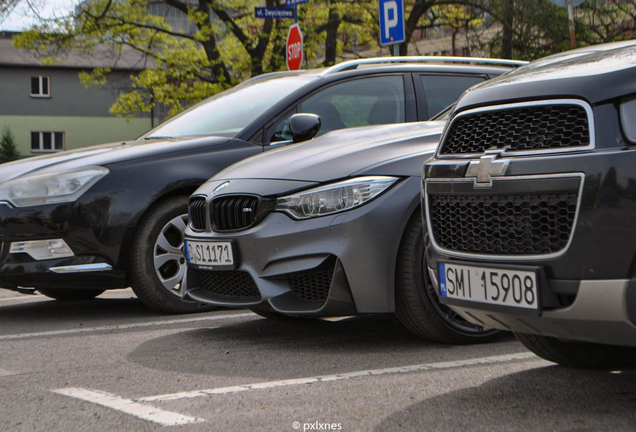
{"points": [[47, 142], [41, 86]]}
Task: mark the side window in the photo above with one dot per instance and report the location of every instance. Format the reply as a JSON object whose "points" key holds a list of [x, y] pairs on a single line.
{"points": [[47, 142], [360, 102], [441, 91], [280, 131], [41, 86]]}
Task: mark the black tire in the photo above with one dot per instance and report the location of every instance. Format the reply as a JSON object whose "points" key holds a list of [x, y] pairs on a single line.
{"points": [[144, 279], [579, 354], [67, 294], [416, 303]]}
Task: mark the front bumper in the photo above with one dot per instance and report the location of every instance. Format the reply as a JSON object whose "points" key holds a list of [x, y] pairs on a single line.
{"points": [[328, 266], [604, 311], [95, 250]]}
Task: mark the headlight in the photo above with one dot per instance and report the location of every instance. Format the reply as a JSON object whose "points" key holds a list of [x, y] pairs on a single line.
{"points": [[628, 119], [334, 198], [51, 188]]}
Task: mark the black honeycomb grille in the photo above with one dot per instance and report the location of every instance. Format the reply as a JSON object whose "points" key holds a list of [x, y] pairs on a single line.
{"points": [[196, 213], [233, 212], [229, 283], [503, 224], [312, 285], [520, 129]]}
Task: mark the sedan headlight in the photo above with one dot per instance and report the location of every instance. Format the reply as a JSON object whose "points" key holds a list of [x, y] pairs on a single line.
{"points": [[334, 198], [50, 188], [628, 119]]}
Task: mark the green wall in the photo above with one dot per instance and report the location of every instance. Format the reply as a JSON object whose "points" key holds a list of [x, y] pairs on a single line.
{"points": [[80, 131]]}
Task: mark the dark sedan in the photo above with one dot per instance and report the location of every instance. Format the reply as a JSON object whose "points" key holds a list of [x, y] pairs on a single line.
{"points": [[113, 216]]}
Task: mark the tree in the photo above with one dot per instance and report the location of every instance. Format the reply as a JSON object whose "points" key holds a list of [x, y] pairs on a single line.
{"points": [[228, 44], [532, 29], [8, 149], [181, 67], [6, 7]]}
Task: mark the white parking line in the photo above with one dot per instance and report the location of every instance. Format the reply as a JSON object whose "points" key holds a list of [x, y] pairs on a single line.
{"points": [[4, 372], [338, 377], [23, 297], [128, 406], [111, 294], [126, 326]]}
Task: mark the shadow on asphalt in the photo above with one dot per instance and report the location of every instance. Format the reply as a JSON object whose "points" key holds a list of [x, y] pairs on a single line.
{"points": [[41, 313], [548, 398], [267, 349]]}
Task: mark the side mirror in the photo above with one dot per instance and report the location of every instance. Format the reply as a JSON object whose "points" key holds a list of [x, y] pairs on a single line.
{"points": [[304, 126]]}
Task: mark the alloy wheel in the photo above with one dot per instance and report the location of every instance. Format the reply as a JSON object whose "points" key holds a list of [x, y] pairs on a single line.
{"points": [[168, 257]]}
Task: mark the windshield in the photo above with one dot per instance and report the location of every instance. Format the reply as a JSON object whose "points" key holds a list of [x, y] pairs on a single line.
{"points": [[228, 112]]}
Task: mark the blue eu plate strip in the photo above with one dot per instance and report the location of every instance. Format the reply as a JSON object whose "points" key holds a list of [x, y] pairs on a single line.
{"points": [[442, 279], [187, 251]]}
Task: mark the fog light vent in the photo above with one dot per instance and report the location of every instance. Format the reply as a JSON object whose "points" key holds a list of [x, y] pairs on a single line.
{"points": [[42, 249]]}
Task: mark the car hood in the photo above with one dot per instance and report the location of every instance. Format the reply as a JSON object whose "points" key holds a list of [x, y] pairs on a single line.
{"points": [[338, 154], [104, 154], [594, 75]]}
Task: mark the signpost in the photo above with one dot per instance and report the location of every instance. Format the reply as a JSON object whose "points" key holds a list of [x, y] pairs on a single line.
{"points": [[392, 23], [570, 4], [294, 48], [295, 4], [294, 45]]}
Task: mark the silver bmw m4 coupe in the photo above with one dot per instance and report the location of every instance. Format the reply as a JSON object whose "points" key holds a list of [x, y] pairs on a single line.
{"points": [[330, 227]]}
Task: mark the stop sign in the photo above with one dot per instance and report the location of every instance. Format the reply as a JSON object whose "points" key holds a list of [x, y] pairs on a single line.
{"points": [[294, 48]]}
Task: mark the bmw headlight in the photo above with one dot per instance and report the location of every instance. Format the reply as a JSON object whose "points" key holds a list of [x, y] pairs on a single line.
{"points": [[628, 119], [334, 198], [50, 188]]}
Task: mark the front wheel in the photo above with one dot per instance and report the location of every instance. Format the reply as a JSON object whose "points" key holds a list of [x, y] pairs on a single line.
{"points": [[158, 265], [417, 306], [67, 294], [579, 354]]}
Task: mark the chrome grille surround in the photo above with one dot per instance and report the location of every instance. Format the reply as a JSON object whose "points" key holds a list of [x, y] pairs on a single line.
{"points": [[519, 106], [469, 255]]}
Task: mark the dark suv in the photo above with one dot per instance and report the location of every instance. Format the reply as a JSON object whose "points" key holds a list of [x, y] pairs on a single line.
{"points": [[77, 223], [530, 203]]}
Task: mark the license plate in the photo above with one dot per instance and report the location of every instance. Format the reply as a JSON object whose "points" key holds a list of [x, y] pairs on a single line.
{"points": [[209, 253], [495, 286]]}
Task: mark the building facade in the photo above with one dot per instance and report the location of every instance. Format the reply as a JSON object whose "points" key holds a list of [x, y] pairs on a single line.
{"points": [[49, 110]]}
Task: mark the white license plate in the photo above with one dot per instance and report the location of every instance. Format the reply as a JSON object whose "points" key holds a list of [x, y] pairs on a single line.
{"points": [[209, 253], [503, 287]]}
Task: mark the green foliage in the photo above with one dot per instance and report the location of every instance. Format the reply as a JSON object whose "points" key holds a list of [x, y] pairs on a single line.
{"points": [[229, 44], [540, 28], [8, 149]]}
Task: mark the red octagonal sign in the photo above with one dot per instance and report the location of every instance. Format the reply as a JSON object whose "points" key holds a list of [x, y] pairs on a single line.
{"points": [[294, 48]]}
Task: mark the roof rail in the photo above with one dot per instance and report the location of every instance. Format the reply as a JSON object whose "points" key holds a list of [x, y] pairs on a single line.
{"points": [[353, 64]]}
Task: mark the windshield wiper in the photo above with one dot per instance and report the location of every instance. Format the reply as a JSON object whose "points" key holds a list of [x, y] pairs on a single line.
{"points": [[158, 137]]}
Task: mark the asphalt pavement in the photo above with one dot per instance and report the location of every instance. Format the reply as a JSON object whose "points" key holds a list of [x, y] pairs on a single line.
{"points": [[112, 364]]}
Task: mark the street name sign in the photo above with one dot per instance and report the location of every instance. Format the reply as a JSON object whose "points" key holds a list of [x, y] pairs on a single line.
{"points": [[273, 12]]}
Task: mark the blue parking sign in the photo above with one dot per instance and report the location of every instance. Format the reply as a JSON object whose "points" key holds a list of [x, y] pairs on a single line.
{"points": [[391, 21]]}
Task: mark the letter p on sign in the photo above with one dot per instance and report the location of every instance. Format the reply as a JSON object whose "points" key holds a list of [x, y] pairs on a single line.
{"points": [[391, 21]]}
